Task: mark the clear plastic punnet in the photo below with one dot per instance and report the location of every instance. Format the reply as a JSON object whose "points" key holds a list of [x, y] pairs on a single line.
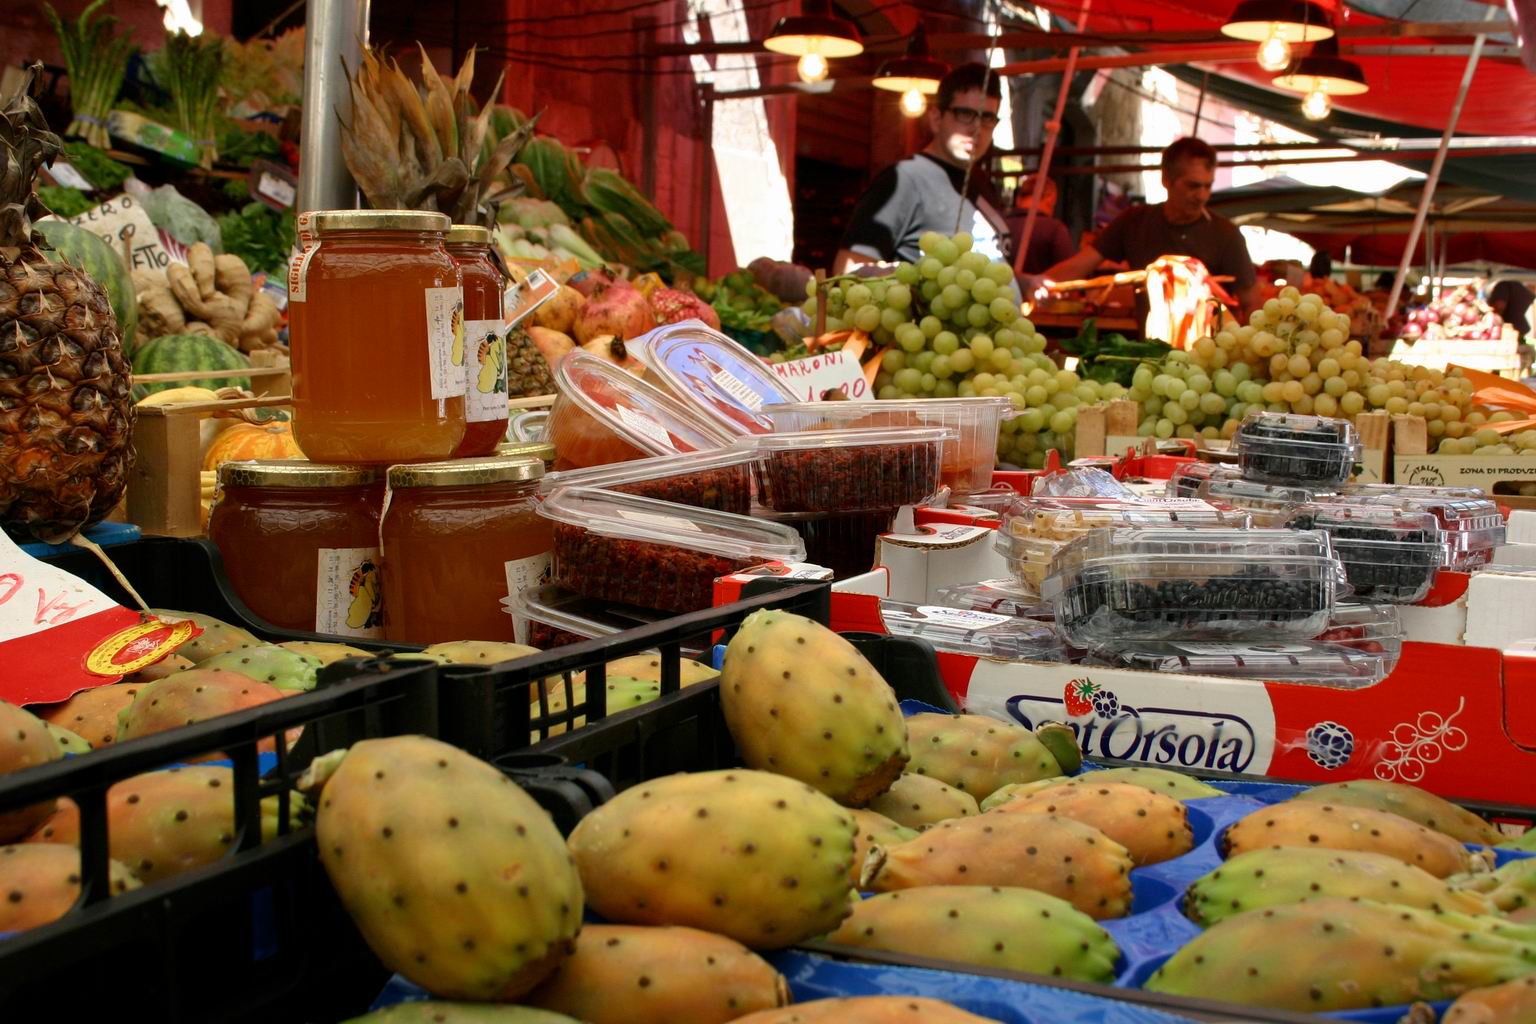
{"points": [[1286, 448], [968, 461], [720, 479], [655, 554], [982, 634], [1411, 491], [848, 470], [1470, 528], [1270, 505], [552, 616], [604, 414], [1289, 661], [1389, 555], [713, 375], [1005, 596], [844, 542], [1035, 529], [1183, 583], [1372, 628], [1187, 478]]}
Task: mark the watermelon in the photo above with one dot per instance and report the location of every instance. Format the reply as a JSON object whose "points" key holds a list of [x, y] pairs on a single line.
{"points": [[173, 353], [86, 250]]}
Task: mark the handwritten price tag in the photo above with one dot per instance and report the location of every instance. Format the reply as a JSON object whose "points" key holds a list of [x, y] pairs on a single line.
{"points": [[123, 224], [812, 377]]}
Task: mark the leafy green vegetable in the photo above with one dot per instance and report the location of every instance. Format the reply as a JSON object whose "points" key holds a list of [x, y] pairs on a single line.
{"points": [[259, 235], [242, 148], [65, 202], [1111, 357], [99, 169]]}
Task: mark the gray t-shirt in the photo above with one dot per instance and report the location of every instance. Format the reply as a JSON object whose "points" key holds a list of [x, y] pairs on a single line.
{"points": [[919, 195], [1142, 234]]}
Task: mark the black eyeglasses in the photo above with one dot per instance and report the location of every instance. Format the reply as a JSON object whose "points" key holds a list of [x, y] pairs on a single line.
{"points": [[968, 116]]}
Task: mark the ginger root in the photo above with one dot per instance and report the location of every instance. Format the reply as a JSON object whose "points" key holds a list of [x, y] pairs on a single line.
{"points": [[212, 295]]}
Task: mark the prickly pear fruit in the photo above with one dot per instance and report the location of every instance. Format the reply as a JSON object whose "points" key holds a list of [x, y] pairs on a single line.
{"points": [[1345, 954], [195, 695], [434, 1012], [1021, 789], [875, 829], [1269, 878], [323, 652], [1160, 780], [166, 666], [631, 974], [623, 693], [268, 663], [918, 801], [802, 701], [454, 876], [1316, 825], [92, 713], [1409, 802], [24, 743], [867, 1010], [1010, 928], [1511, 888], [1153, 827], [69, 743], [758, 857], [63, 826], [648, 666], [1525, 842], [1053, 854], [41, 882], [166, 822], [480, 652], [975, 754], [217, 637], [1513, 1002]]}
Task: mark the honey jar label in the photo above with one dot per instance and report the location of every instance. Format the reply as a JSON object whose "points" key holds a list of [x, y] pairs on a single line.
{"points": [[485, 367], [349, 600], [445, 341], [298, 273], [527, 573]]}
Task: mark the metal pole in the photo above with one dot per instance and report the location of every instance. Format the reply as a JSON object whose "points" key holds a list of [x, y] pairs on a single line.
{"points": [[335, 31], [1434, 170], [648, 111], [1052, 130], [1205, 81]]}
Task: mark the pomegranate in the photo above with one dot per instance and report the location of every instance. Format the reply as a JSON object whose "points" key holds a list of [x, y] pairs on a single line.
{"points": [[613, 350], [673, 307], [616, 309]]}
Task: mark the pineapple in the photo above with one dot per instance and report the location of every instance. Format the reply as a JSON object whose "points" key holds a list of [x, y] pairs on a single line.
{"points": [[66, 406], [527, 371]]}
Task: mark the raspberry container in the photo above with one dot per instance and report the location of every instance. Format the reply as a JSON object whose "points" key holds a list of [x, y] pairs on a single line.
{"points": [[721, 480], [1371, 628], [604, 414], [1035, 529], [551, 616], [1295, 661], [655, 554], [712, 375], [1187, 477], [1188, 584], [1389, 556], [848, 470], [1470, 528], [981, 634], [844, 542], [968, 461], [1003, 596], [1269, 505], [1285, 448]]}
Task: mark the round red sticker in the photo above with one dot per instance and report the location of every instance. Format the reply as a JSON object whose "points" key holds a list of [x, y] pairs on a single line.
{"points": [[137, 647]]}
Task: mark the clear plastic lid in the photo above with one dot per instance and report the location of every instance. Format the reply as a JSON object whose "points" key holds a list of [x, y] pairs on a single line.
{"points": [[1269, 504], [1187, 477], [999, 597], [1389, 554], [849, 470], [1294, 661], [1470, 528], [714, 375], [1287, 447], [565, 612], [1363, 626], [648, 521], [605, 414], [720, 479], [1208, 550], [982, 634], [1411, 491]]}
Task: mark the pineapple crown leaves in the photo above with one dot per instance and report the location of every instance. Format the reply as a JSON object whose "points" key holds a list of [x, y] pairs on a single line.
{"points": [[26, 144]]}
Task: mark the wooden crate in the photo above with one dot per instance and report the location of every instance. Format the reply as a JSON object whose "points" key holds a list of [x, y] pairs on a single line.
{"points": [[1501, 476]]}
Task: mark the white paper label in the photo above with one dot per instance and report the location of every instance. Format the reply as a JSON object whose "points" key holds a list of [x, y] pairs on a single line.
{"points": [[277, 190], [485, 368], [737, 390], [67, 176], [445, 341], [349, 599], [35, 596], [640, 423], [811, 378], [524, 574], [298, 274]]}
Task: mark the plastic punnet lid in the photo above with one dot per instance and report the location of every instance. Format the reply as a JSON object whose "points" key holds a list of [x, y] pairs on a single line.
{"points": [[648, 521], [640, 413], [1270, 504], [1000, 597], [983, 634], [1070, 516], [555, 606], [1293, 661], [1294, 428], [1193, 550], [947, 412], [662, 467], [861, 437], [1412, 491], [1187, 477], [713, 375], [1359, 523]]}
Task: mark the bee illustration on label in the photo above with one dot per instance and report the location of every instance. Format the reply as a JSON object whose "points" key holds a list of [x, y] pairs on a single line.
{"points": [[458, 333], [492, 354], [367, 608]]}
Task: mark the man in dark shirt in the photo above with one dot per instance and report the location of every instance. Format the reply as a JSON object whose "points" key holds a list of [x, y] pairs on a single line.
{"points": [[922, 193], [1179, 226], [1050, 242]]}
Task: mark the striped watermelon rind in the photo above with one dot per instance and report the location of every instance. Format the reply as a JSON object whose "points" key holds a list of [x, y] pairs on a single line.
{"points": [[174, 353], [86, 250]]}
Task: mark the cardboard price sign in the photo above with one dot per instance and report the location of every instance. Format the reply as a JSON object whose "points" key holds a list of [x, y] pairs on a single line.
{"points": [[60, 635], [124, 225], [812, 377]]}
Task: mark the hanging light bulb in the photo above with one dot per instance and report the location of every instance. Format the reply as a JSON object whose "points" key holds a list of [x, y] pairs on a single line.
{"points": [[1316, 105], [812, 67], [1274, 52], [913, 103]]}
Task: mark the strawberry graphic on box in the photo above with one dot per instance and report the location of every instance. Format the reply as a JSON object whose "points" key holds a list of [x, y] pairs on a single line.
{"points": [[1079, 694]]}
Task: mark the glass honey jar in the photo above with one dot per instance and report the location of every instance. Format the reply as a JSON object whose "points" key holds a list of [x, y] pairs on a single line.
{"points": [[485, 341]]}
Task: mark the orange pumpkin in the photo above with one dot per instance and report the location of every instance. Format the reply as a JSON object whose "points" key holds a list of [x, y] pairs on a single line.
{"points": [[243, 441]]}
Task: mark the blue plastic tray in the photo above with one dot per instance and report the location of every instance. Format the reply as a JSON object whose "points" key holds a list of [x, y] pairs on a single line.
{"points": [[104, 534]]}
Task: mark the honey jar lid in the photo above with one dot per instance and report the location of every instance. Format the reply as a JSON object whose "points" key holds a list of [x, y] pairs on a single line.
{"points": [[526, 450], [294, 473], [494, 469], [328, 221], [469, 234]]}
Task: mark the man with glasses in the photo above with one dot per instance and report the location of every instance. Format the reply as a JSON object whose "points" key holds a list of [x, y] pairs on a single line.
{"points": [[922, 193]]}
